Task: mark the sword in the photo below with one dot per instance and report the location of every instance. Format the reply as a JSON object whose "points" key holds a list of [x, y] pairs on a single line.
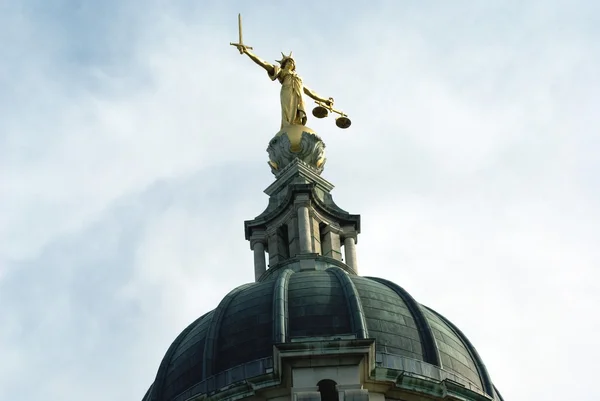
{"points": [[240, 45]]}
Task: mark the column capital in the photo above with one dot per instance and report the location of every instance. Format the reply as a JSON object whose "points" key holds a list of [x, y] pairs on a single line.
{"points": [[350, 232], [258, 237], [302, 200]]}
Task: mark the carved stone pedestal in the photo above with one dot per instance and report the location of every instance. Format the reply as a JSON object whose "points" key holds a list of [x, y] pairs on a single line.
{"points": [[296, 142]]}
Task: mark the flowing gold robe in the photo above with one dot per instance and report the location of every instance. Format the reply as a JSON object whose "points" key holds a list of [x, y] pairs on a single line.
{"points": [[292, 102]]}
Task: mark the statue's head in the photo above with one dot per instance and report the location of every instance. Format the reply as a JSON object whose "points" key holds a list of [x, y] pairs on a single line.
{"points": [[287, 62]]}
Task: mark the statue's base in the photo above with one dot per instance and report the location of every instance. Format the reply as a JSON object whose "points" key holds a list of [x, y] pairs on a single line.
{"points": [[294, 134], [296, 142]]}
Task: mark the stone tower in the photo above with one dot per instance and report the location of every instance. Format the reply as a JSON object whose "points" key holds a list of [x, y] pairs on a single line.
{"points": [[310, 327]]}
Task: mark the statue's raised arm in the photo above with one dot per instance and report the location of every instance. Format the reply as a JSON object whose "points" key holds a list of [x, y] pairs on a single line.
{"points": [[270, 68]]}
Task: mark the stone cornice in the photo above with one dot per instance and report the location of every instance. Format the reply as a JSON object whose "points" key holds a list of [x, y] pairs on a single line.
{"points": [[295, 169], [293, 191]]}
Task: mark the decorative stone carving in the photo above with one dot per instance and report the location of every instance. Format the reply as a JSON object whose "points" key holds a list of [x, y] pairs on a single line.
{"points": [[296, 142]]}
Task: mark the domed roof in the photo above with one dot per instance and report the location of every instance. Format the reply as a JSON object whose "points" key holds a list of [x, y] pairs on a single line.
{"points": [[290, 303]]}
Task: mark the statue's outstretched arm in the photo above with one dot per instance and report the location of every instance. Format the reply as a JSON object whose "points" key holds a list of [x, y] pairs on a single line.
{"points": [[313, 95], [268, 67]]}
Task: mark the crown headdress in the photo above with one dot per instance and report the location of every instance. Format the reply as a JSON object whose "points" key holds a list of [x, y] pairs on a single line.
{"points": [[285, 58]]}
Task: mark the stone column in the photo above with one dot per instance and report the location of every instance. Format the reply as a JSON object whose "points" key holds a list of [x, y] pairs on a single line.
{"points": [[304, 229], [260, 263], [350, 253], [350, 248], [257, 244]]}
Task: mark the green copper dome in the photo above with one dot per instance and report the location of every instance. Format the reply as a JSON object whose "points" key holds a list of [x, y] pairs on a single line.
{"points": [[235, 341]]}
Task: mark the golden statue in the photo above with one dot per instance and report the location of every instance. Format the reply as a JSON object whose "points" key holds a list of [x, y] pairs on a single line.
{"points": [[293, 111]]}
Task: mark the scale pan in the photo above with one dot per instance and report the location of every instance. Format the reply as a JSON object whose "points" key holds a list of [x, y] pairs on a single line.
{"points": [[320, 112], [343, 122]]}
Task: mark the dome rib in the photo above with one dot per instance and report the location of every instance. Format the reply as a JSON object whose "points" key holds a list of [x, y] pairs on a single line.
{"points": [[212, 334], [358, 320], [157, 387], [430, 350], [280, 307], [484, 376]]}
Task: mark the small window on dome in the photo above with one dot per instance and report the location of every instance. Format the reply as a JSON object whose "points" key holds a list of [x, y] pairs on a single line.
{"points": [[328, 390]]}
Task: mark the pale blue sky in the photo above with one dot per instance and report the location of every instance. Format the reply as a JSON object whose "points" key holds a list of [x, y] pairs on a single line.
{"points": [[132, 148]]}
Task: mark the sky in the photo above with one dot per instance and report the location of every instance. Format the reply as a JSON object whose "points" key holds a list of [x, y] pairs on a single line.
{"points": [[132, 148]]}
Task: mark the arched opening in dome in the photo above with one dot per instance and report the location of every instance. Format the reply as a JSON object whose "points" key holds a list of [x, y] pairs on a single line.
{"points": [[328, 390]]}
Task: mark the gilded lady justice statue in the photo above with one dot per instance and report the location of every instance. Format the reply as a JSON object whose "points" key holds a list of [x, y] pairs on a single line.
{"points": [[294, 140]]}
